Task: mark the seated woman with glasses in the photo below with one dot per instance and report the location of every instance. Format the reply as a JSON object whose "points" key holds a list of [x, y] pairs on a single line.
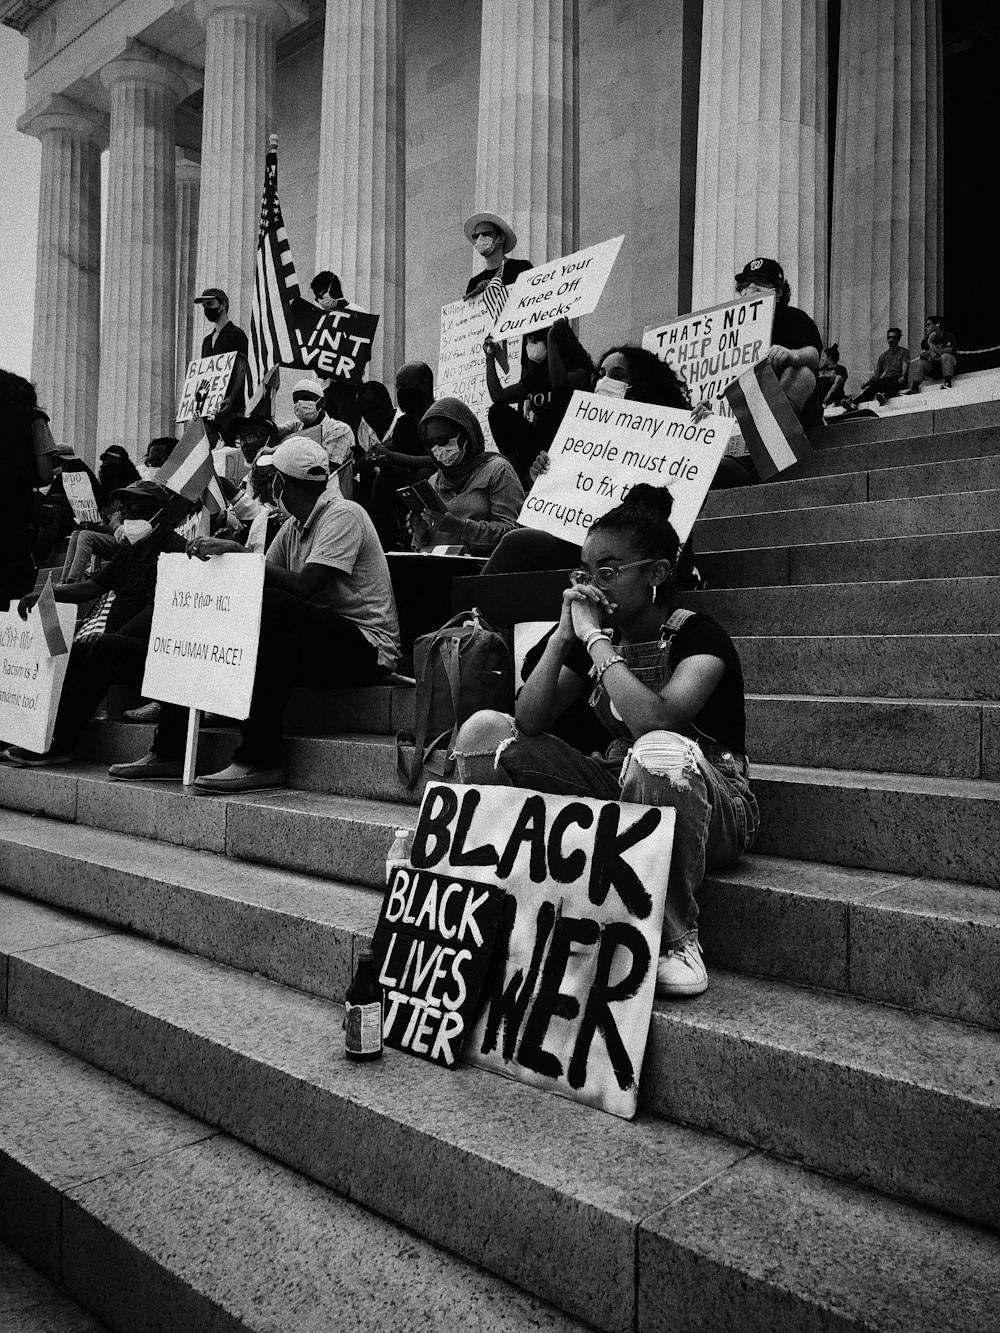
{"points": [[667, 685]]}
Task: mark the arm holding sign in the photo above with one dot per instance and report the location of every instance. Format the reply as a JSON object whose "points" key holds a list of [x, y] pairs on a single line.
{"points": [[75, 593]]}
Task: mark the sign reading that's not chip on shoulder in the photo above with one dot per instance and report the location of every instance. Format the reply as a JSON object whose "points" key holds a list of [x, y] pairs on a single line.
{"points": [[568, 995], [206, 628], [563, 289]]}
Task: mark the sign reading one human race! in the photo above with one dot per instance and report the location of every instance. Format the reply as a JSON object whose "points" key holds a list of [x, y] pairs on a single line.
{"points": [[461, 361], [31, 677], [206, 385], [569, 991], [605, 445], [563, 289], [206, 626]]}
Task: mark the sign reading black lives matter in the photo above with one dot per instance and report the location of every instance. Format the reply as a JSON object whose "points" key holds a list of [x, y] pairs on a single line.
{"points": [[568, 995], [206, 627], [432, 945], [206, 385], [334, 344]]}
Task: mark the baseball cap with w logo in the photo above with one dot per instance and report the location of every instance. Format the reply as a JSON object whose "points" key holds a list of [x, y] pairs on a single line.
{"points": [[762, 270]]}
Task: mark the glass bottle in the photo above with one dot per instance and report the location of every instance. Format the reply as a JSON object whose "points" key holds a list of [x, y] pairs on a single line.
{"points": [[363, 1018]]}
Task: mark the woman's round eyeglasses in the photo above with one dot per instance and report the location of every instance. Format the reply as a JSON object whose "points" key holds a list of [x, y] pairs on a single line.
{"points": [[605, 576]]}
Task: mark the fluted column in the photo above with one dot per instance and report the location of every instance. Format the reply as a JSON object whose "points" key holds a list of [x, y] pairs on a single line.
{"points": [[360, 222], [138, 337], [887, 218], [237, 117], [65, 352], [188, 189], [526, 167], [762, 147]]}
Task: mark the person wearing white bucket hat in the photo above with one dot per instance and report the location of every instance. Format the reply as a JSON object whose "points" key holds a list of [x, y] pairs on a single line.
{"points": [[493, 239]]}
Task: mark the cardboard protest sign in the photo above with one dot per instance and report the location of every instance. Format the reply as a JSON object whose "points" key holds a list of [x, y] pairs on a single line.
{"points": [[432, 945], [569, 991], [563, 289], [461, 362], [31, 678], [605, 445], [80, 494], [206, 385], [334, 344], [206, 627], [711, 348]]}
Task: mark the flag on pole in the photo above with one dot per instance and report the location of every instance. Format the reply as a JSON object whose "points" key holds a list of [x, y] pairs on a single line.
{"points": [[48, 618], [495, 298], [275, 286], [767, 421], [190, 471]]}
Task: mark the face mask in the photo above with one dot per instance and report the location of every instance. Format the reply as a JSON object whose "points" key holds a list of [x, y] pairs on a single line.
{"points": [[120, 537], [136, 529], [485, 244], [410, 399], [277, 491], [147, 472], [449, 454], [613, 388], [212, 313], [536, 351], [307, 411], [328, 302]]}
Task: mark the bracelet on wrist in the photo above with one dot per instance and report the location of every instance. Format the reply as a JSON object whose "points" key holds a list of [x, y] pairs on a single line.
{"points": [[594, 635], [615, 657]]}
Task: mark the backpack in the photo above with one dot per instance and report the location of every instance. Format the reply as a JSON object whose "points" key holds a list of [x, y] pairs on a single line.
{"points": [[460, 668]]}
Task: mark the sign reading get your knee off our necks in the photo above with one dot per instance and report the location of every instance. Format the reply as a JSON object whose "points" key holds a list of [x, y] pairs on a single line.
{"points": [[524, 935]]}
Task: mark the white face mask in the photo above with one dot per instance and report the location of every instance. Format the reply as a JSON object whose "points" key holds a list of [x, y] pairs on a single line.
{"points": [[146, 472], [536, 351], [136, 529], [307, 411], [485, 245], [613, 388], [328, 302], [449, 454]]}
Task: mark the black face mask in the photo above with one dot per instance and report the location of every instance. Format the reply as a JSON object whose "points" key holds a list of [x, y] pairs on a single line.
{"points": [[212, 312], [410, 399]]}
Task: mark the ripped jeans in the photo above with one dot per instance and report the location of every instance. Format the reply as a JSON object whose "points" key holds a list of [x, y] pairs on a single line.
{"points": [[717, 816]]}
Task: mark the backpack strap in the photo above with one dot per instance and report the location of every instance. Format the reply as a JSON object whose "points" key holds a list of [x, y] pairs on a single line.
{"points": [[445, 647]]}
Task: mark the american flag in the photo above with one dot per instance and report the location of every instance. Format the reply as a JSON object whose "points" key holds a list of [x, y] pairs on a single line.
{"points": [[275, 285], [495, 294]]}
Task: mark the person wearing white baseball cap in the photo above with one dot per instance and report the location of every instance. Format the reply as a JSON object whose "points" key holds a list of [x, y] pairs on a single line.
{"points": [[493, 240], [328, 618], [313, 422]]}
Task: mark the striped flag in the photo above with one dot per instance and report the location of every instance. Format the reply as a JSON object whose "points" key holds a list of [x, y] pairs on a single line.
{"points": [[275, 286], [48, 618], [767, 421], [190, 471], [495, 298]]}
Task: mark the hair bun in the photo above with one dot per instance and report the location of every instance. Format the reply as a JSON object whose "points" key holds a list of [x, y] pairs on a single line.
{"points": [[653, 497]]}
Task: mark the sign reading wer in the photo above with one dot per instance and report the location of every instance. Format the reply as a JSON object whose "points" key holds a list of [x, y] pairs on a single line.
{"points": [[335, 344], [206, 626], [31, 679], [564, 289], [461, 362], [432, 944], [569, 991], [710, 348], [206, 385], [605, 445]]}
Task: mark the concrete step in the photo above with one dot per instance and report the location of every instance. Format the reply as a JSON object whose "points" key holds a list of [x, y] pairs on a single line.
{"points": [[841, 488], [30, 1303], [905, 666], [933, 421], [939, 828], [464, 1157], [959, 511], [951, 554], [921, 944], [853, 449], [155, 1220]]}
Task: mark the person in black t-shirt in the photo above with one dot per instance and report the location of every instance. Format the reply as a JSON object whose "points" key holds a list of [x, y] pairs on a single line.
{"points": [[667, 685], [796, 344]]}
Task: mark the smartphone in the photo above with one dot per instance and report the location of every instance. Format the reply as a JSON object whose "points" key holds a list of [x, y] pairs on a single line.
{"points": [[420, 496]]}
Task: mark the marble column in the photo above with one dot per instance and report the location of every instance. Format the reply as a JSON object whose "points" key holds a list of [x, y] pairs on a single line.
{"points": [[237, 117], [65, 352], [138, 337], [886, 248], [526, 166], [762, 147], [360, 220], [188, 189]]}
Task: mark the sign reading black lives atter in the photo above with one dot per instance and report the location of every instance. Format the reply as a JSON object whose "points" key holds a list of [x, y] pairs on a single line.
{"points": [[567, 998]]}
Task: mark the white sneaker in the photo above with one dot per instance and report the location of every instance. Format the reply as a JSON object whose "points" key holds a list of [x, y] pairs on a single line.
{"points": [[681, 971]]}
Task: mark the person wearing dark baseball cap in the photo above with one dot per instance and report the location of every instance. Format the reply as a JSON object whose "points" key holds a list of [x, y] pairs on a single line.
{"points": [[796, 345], [224, 336]]}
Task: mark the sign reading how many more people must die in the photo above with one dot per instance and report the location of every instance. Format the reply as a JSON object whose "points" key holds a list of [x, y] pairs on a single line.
{"points": [[31, 677], [205, 386], [606, 445], [461, 373], [206, 627], [564, 289], [569, 991]]}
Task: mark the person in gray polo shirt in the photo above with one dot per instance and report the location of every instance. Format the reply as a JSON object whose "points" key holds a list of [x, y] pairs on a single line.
{"points": [[328, 618]]}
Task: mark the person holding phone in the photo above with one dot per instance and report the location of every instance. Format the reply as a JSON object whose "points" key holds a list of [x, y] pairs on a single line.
{"points": [[479, 491]]}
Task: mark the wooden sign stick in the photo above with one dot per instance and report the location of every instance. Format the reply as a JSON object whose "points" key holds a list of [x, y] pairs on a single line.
{"points": [[191, 748]]}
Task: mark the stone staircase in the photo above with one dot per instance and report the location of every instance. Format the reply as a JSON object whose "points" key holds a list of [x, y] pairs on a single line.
{"points": [[184, 1147]]}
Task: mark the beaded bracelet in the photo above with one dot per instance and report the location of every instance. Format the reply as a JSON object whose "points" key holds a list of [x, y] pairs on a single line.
{"points": [[594, 635], [616, 657]]}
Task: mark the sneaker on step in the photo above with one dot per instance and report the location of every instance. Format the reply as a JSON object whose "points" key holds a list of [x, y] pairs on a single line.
{"points": [[17, 754], [241, 777], [881, 399], [150, 768], [680, 971], [144, 713]]}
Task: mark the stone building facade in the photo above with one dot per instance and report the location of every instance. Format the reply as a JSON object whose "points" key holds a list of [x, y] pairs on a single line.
{"points": [[706, 131]]}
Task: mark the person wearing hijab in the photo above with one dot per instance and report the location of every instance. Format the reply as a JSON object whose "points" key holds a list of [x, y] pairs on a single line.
{"points": [[480, 490], [493, 240]]}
